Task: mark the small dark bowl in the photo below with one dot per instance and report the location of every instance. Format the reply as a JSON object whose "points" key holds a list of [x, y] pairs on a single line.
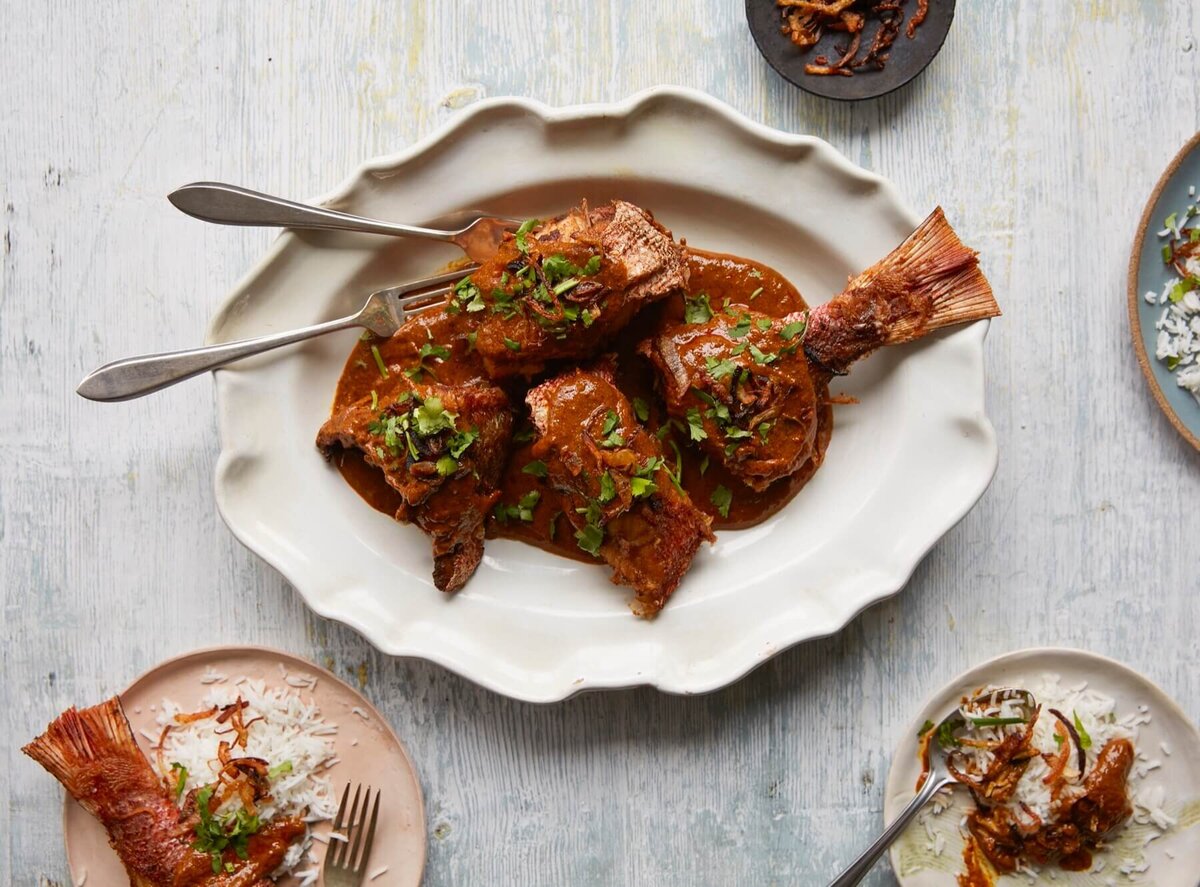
{"points": [[908, 59]]}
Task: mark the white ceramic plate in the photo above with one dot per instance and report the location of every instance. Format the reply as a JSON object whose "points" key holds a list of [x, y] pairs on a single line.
{"points": [[1174, 858], [367, 749], [904, 466]]}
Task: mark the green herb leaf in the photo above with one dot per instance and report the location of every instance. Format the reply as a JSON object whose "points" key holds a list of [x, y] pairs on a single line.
{"points": [[280, 769], [925, 728], [756, 274], [610, 422], [181, 778], [1167, 254], [719, 369], [703, 464], [526, 226], [791, 330], [996, 722], [695, 425], [379, 361], [945, 734], [722, 498], [374, 400], [754, 295], [741, 328], [763, 323], [1170, 222], [761, 357], [641, 409], [641, 487], [554, 524], [446, 466], [431, 417], [1172, 363], [608, 489], [697, 309], [590, 539], [460, 441], [511, 345], [537, 468], [1085, 740]]}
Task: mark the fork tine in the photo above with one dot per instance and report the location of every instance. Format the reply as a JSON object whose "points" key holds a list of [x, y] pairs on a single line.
{"points": [[411, 304], [365, 856], [341, 853]]}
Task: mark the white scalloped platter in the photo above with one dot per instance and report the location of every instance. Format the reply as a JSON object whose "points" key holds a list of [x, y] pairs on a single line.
{"points": [[903, 467]]}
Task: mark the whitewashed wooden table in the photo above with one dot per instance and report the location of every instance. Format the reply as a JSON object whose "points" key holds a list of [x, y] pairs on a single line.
{"points": [[1041, 128]]}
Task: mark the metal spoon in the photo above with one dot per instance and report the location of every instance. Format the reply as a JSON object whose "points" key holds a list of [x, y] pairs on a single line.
{"points": [[231, 205], [938, 778]]}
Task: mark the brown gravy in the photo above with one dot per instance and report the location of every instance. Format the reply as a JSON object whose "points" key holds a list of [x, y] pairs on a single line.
{"points": [[724, 277]]}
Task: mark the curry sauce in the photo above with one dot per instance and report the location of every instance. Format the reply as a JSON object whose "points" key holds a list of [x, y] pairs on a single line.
{"points": [[441, 345]]}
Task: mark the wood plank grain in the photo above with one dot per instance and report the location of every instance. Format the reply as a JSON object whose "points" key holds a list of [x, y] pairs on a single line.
{"points": [[1041, 128]]}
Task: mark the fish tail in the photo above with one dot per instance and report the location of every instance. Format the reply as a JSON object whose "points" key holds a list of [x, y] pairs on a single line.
{"points": [[77, 741], [930, 281]]}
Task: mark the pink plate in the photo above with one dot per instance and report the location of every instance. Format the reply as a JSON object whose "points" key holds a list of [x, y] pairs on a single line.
{"points": [[367, 750]]}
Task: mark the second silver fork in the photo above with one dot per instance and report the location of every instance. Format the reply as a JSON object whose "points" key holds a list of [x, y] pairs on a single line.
{"points": [[382, 314], [346, 860]]}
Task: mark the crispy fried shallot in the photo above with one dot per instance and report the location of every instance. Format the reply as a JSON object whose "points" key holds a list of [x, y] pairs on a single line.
{"points": [[806, 21]]}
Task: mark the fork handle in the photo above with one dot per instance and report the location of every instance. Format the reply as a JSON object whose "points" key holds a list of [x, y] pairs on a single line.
{"points": [[231, 205], [858, 869], [137, 376]]}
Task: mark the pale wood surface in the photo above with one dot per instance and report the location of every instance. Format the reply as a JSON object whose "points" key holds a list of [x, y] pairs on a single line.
{"points": [[1041, 128]]}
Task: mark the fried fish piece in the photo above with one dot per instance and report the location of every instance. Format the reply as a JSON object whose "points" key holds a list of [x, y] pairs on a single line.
{"points": [[442, 448], [92, 752], [622, 501], [560, 289], [746, 384]]}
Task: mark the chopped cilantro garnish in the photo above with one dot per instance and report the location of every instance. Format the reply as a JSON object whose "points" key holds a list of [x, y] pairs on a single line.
{"points": [[537, 468], [280, 769], [610, 422], [511, 345], [741, 328], [181, 778], [460, 440], [216, 834], [1085, 740], [703, 464], [945, 734], [641, 486], [1167, 254], [1170, 222], [608, 489], [590, 539], [763, 324], [522, 511], [695, 424], [379, 361], [719, 369], [697, 309], [554, 524], [1172, 363], [925, 728], [762, 358], [754, 295], [722, 498], [641, 409], [526, 226], [431, 417], [792, 330], [374, 399], [446, 466], [756, 274]]}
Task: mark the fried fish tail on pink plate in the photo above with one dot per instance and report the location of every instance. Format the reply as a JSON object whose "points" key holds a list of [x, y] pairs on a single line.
{"points": [[622, 503], [92, 752], [442, 448], [746, 384]]}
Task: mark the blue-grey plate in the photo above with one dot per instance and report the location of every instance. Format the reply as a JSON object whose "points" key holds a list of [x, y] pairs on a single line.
{"points": [[1147, 272]]}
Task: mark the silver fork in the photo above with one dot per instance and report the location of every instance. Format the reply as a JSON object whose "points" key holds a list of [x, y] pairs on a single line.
{"points": [[938, 778], [231, 205], [382, 314], [346, 861]]}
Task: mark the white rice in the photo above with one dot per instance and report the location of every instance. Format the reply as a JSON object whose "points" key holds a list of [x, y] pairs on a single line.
{"points": [[292, 731], [1102, 723], [1177, 344]]}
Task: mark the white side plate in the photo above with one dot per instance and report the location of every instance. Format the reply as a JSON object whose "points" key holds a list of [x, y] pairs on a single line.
{"points": [[903, 467], [1174, 858]]}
